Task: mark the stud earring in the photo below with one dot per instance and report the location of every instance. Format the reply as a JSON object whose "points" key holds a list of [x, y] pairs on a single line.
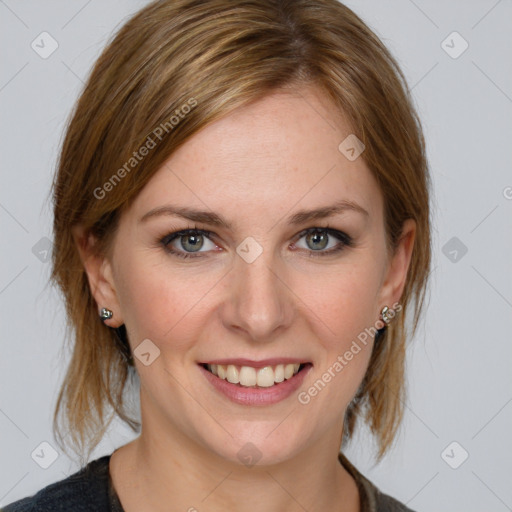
{"points": [[387, 315], [105, 314]]}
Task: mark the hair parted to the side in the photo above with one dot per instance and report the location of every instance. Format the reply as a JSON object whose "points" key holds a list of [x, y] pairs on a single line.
{"points": [[219, 55]]}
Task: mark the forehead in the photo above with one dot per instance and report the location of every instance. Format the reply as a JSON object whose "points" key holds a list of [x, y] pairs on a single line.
{"points": [[266, 157]]}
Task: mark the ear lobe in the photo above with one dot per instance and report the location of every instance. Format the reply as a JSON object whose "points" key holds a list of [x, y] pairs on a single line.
{"points": [[99, 274], [398, 266]]}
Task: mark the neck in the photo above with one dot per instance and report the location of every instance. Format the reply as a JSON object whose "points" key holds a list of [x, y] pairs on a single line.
{"points": [[163, 470]]}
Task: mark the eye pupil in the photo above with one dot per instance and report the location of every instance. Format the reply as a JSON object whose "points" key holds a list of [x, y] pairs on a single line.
{"points": [[317, 237], [192, 242]]}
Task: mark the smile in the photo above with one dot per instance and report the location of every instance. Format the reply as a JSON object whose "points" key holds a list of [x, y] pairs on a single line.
{"points": [[248, 376], [255, 382]]}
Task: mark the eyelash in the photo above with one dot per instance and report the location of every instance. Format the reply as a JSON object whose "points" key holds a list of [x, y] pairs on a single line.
{"points": [[345, 241]]}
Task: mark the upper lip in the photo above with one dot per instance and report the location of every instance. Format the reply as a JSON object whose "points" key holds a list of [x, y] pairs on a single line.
{"points": [[257, 364]]}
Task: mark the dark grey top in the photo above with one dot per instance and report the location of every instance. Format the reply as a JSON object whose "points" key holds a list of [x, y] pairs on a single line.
{"points": [[91, 490]]}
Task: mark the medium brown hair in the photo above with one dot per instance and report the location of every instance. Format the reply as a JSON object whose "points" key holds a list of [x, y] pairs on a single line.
{"points": [[220, 55]]}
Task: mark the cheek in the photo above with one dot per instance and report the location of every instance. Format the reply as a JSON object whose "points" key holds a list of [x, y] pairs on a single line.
{"points": [[344, 303], [160, 304], [342, 312]]}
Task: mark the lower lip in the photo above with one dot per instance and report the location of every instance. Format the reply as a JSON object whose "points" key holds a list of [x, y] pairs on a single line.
{"points": [[257, 396]]}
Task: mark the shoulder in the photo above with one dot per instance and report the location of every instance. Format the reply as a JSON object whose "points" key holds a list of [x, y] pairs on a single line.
{"points": [[84, 491], [372, 498], [386, 503]]}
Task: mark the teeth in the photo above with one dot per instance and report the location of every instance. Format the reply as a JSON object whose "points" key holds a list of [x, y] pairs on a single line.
{"points": [[265, 377], [249, 377], [233, 375], [221, 371], [288, 371], [279, 373]]}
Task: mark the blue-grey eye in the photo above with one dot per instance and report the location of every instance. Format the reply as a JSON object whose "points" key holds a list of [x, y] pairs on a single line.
{"points": [[191, 242], [188, 242], [323, 241], [317, 240]]}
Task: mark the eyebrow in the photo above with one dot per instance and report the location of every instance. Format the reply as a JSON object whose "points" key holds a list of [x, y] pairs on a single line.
{"points": [[207, 217]]}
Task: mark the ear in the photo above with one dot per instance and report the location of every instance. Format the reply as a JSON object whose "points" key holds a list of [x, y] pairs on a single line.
{"points": [[99, 274], [396, 273]]}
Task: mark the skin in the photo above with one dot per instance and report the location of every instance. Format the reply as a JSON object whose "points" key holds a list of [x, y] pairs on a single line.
{"points": [[255, 168]]}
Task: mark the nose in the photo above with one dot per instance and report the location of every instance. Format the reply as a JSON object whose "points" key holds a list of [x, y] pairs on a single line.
{"points": [[260, 304]]}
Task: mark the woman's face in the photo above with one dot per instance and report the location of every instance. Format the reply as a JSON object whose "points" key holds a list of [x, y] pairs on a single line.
{"points": [[254, 290]]}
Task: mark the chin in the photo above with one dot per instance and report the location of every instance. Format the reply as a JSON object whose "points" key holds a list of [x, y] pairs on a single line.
{"points": [[258, 443]]}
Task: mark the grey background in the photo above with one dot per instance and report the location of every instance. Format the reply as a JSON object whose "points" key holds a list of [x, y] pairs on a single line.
{"points": [[459, 376]]}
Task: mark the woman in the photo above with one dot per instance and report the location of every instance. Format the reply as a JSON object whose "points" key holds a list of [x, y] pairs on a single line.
{"points": [[241, 221]]}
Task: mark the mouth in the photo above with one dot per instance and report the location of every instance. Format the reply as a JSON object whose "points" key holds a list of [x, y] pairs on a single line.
{"points": [[257, 376]]}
